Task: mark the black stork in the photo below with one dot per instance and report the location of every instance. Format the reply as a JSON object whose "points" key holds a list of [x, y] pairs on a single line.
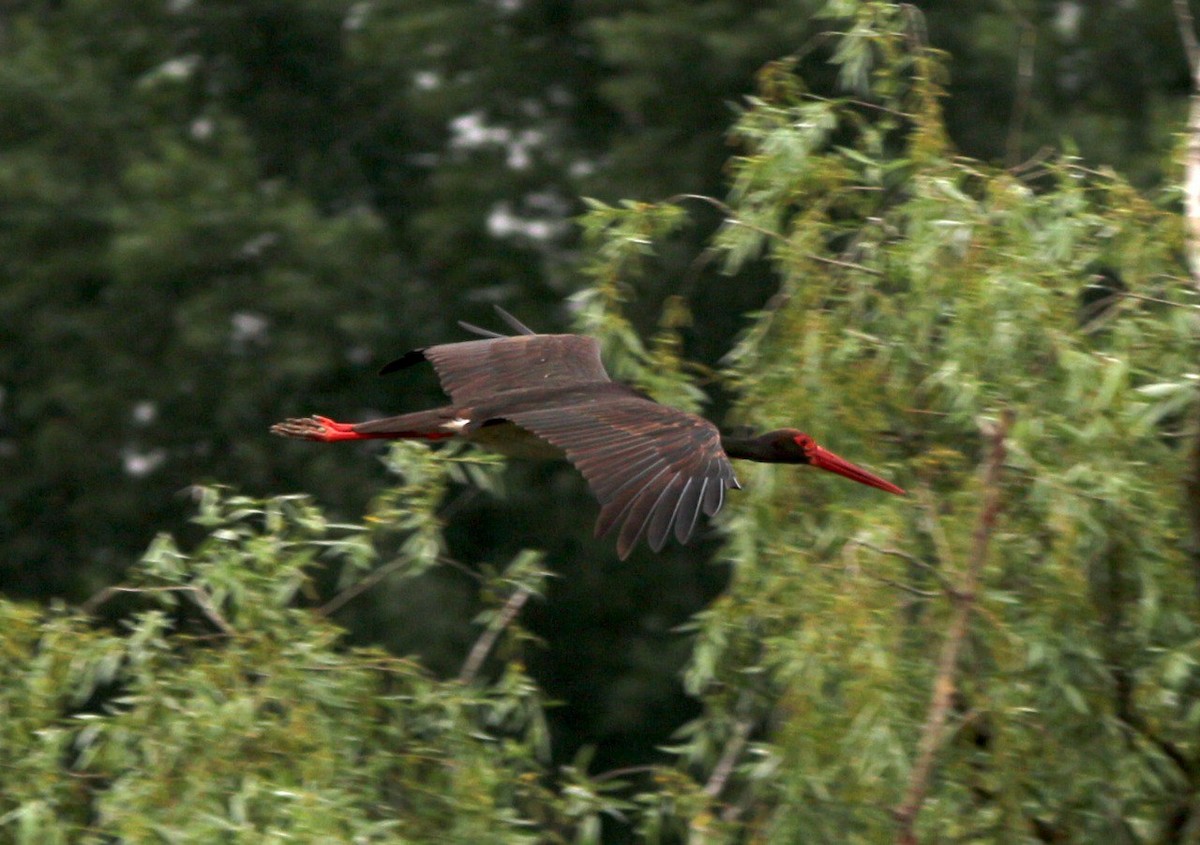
{"points": [[652, 467]]}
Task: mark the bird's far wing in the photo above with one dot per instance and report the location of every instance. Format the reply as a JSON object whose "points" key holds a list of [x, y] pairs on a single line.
{"points": [[652, 467], [482, 370]]}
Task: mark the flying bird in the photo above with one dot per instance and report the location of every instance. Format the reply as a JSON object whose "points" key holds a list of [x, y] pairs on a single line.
{"points": [[653, 468]]}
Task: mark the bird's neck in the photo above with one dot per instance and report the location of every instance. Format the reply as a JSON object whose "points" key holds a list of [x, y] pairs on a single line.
{"points": [[745, 448]]}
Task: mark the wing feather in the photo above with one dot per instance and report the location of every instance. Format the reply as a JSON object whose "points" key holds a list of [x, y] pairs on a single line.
{"points": [[714, 497], [619, 506], [640, 517], [653, 468], [659, 527], [480, 370], [477, 371], [689, 509], [641, 506]]}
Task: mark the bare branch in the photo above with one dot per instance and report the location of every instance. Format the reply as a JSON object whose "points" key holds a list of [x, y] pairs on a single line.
{"points": [[733, 750], [900, 585], [947, 588], [714, 202], [734, 220], [1191, 185], [1034, 161], [945, 681], [1191, 167], [848, 265], [483, 646], [199, 597], [1141, 296], [359, 587], [623, 771]]}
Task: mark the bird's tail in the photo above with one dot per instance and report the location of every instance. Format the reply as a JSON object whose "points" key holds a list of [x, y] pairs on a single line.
{"points": [[420, 425]]}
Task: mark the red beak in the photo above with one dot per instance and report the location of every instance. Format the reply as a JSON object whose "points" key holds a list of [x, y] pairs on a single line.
{"points": [[824, 459]]}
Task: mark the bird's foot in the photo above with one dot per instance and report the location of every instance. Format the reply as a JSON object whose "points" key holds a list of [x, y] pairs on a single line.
{"points": [[317, 428]]}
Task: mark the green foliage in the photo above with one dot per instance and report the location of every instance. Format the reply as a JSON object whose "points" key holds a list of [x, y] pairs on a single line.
{"points": [[226, 709], [619, 239], [921, 295], [197, 266]]}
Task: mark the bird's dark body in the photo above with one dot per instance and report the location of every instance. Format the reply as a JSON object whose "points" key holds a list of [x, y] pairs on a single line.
{"points": [[653, 468]]}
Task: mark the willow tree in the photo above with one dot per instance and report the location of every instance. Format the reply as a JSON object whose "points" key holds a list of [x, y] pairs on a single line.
{"points": [[1010, 653]]}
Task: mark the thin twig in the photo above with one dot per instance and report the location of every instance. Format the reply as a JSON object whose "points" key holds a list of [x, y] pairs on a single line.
{"points": [[713, 201], [861, 103], [848, 265], [944, 683], [623, 771], [947, 588], [1191, 184], [722, 771], [730, 216], [1033, 161], [900, 585], [1191, 175], [359, 587], [1171, 277], [734, 220], [1141, 296], [877, 107], [483, 645], [729, 757], [199, 596]]}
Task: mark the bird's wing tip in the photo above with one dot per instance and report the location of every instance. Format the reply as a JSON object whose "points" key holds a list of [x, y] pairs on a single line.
{"points": [[513, 322]]}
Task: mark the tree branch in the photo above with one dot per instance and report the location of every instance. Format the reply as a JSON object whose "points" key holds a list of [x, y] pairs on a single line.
{"points": [[732, 218], [1191, 184], [371, 579], [947, 588], [733, 750], [200, 598], [1191, 168], [483, 646], [933, 731]]}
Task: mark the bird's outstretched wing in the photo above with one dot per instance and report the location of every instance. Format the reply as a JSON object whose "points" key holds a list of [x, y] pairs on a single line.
{"points": [[653, 468], [476, 371]]}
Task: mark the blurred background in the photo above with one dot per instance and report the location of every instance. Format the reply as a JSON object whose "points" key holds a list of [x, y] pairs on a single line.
{"points": [[214, 215]]}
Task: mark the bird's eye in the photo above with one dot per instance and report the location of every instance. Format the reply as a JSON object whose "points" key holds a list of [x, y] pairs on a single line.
{"points": [[806, 443]]}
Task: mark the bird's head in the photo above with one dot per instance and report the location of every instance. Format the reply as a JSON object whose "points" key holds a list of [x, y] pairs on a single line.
{"points": [[796, 447]]}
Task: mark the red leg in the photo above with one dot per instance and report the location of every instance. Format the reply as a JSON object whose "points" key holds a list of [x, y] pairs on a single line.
{"points": [[340, 428], [321, 429]]}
